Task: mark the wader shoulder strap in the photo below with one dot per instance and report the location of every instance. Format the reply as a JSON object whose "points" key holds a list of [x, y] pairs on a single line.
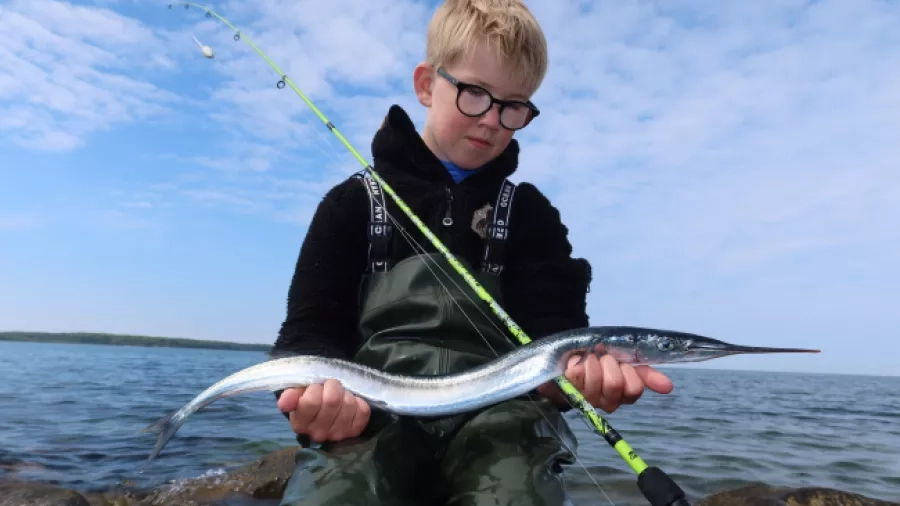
{"points": [[379, 230], [495, 236]]}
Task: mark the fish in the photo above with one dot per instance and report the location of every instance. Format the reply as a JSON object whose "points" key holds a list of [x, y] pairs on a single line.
{"points": [[511, 375]]}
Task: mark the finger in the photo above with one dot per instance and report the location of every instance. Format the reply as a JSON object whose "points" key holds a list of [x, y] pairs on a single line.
{"points": [[340, 429], [654, 380], [361, 418], [307, 407], [634, 385], [287, 402], [575, 372], [332, 399], [575, 362], [613, 383], [593, 383]]}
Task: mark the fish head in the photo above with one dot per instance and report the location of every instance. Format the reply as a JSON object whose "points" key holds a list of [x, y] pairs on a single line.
{"points": [[699, 348], [638, 345], [650, 346]]}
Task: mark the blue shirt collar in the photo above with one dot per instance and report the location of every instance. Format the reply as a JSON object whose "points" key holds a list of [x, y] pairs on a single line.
{"points": [[456, 172]]}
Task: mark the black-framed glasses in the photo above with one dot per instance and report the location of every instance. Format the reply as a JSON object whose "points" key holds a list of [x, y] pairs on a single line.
{"points": [[473, 100]]}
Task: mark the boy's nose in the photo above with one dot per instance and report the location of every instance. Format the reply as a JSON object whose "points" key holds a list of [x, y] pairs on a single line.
{"points": [[491, 118]]}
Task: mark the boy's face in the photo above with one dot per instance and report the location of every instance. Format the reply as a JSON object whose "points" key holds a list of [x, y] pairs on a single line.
{"points": [[468, 141]]}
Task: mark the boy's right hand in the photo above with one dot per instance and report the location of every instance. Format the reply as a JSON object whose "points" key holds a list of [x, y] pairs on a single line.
{"points": [[325, 412]]}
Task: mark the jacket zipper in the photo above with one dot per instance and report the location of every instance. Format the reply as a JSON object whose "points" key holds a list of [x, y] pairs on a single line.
{"points": [[448, 215], [443, 353]]}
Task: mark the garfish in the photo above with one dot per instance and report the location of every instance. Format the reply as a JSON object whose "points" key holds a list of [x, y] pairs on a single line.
{"points": [[511, 375]]}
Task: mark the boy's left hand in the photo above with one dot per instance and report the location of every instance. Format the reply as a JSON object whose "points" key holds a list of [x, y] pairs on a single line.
{"points": [[606, 383]]}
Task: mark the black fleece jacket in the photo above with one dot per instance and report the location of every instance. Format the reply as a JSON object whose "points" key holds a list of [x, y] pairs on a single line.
{"points": [[544, 288]]}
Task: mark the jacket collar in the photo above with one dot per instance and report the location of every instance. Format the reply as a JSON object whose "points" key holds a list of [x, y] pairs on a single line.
{"points": [[398, 147]]}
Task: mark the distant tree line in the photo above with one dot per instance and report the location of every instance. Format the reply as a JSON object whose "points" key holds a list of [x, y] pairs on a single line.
{"points": [[127, 340]]}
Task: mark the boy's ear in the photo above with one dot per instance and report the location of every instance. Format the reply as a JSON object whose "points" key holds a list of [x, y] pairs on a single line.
{"points": [[423, 83]]}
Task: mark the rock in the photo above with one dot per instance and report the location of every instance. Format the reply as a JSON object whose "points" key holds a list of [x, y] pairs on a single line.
{"points": [[265, 480], [762, 495], [262, 479], [20, 493], [114, 498], [267, 477]]}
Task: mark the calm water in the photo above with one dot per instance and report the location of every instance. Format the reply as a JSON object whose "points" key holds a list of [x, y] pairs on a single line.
{"points": [[71, 414]]}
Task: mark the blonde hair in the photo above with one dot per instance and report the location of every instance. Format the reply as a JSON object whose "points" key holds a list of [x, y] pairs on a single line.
{"points": [[506, 27]]}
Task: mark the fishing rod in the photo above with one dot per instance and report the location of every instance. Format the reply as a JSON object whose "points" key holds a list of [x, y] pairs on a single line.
{"points": [[656, 486]]}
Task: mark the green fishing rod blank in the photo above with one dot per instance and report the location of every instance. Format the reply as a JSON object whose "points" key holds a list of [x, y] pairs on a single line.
{"points": [[656, 486]]}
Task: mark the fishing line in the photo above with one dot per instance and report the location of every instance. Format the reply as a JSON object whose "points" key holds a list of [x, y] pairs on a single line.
{"points": [[657, 487]]}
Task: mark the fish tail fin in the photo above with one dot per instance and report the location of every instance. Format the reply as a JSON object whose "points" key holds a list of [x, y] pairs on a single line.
{"points": [[165, 427]]}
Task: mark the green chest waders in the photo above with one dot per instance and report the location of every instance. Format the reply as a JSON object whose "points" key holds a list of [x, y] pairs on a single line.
{"points": [[419, 317]]}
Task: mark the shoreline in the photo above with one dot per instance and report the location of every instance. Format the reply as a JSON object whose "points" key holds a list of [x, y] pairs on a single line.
{"points": [[109, 339]]}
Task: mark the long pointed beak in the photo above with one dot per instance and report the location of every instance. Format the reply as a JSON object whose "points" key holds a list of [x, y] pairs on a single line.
{"points": [[721, 347]]}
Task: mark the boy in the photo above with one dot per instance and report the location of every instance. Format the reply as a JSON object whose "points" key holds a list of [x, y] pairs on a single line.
{"points": [[382, 301]]}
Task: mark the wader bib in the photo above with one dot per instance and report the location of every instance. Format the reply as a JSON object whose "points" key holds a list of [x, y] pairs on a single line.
{"points": [[507, 454]]}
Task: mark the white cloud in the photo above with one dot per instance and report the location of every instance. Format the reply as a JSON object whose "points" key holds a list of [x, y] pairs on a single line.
{"points": [[747, 135], [68, 71]]}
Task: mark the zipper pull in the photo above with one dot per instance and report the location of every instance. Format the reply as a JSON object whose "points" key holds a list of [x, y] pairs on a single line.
{"points": [[448, 216]]}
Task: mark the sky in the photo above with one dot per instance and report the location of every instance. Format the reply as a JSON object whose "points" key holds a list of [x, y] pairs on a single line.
{"points": [[728, 168]]}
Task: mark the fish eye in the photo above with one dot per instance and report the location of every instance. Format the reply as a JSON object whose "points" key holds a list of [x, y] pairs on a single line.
{"points": [[665, 344]]}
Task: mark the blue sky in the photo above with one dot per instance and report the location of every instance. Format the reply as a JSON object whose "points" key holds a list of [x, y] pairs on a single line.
{"points": [[728, 169]]}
